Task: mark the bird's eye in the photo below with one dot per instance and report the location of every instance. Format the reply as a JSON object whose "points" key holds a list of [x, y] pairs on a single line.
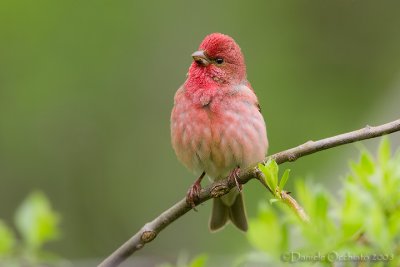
{"points": [[219, 60]]}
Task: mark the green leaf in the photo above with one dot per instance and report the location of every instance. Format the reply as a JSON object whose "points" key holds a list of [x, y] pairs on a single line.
{"points": [[353, 210], [393, 223], [376, 228], [367, 163], [7, 239], [321, 204], [265, 231], [384, 151], [270, 171], [284, 179], [304, 194], [36, 221], [273, 200], [363, 170], [199, 261]]}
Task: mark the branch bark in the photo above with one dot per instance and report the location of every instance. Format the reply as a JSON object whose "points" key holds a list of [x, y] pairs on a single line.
{"points": [[150, 230]]}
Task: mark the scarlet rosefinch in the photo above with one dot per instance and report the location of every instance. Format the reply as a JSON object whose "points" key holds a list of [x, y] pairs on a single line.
{"points": [[216, 124]]}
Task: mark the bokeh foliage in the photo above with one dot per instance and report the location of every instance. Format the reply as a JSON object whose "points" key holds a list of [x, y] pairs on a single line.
{"points": [[363, 221], [359, 227], [37, 224]]}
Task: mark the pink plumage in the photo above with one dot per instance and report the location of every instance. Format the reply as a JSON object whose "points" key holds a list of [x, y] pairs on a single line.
{"points": [[216, 124]]}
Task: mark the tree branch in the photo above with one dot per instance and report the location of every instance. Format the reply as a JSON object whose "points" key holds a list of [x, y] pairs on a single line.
{"points": [[150, 230]]}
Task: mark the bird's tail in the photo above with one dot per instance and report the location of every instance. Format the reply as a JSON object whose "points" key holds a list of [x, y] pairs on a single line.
{"points": [[224, 210]]}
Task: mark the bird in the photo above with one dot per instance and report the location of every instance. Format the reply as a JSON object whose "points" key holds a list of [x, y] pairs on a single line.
{"points": [[217, 127]]}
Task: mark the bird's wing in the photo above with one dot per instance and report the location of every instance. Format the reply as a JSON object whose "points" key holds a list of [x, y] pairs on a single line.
{"points": [[248, 85], [247, 89]]}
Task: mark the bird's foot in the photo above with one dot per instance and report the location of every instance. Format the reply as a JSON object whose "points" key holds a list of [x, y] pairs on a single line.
{"points": [[193, 193], [234, 175]]}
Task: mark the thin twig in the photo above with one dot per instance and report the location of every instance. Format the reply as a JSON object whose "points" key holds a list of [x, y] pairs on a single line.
{"points": [[150, 230], [285, 198], [292, 203]]}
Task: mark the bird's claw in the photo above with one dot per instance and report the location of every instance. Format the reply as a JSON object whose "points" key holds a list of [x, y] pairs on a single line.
{"points": [[234, 175], [193, 194]]}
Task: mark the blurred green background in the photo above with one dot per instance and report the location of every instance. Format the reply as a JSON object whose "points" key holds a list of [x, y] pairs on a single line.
{"points": [[86, 90]]}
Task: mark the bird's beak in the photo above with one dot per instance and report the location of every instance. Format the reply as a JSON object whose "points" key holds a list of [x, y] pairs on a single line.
{"points": [[201, 58]]}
